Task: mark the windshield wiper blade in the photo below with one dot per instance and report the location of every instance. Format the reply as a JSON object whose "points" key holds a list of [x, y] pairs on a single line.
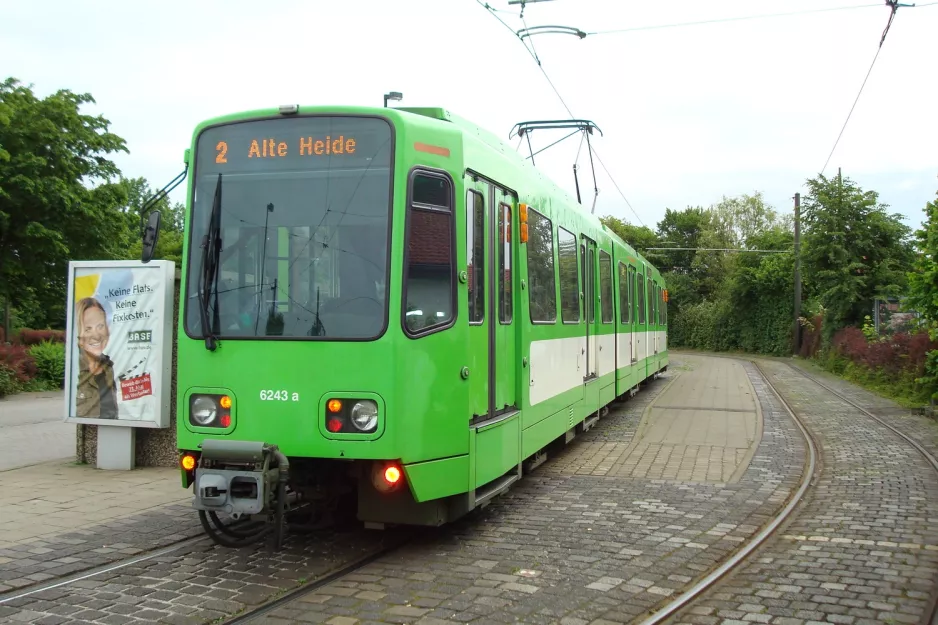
{"points": [[208, 281]]}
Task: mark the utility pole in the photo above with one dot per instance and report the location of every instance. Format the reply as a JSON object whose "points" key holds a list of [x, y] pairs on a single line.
{"points": [[796, 334]]}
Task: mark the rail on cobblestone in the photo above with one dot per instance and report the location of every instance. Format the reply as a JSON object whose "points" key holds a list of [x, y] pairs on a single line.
{"points": [[931, 613], [879, 576], [740, 556]]}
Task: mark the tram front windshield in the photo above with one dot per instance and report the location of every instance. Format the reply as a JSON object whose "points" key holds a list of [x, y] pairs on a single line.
{"points": [[302, 209]]}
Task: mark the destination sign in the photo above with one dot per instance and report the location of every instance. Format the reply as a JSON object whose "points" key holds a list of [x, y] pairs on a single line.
{"points": [[270, 147], [308, 142]]}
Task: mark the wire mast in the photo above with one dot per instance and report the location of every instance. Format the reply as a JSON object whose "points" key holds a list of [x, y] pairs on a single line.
{"points": [[523, 131]]}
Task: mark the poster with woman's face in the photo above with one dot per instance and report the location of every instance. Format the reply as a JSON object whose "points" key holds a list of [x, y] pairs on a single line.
{"points": [[117, 332]]}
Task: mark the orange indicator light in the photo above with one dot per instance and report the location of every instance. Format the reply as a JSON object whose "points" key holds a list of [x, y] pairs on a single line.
{"points": [[334, 405], [188, 462], [225, 402]]}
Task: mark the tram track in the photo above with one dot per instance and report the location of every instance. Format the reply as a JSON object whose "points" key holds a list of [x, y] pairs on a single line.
{"points": [[180, 550], [315, 584], [100, 570], [930, 616], [739, 557], [813, 465]]}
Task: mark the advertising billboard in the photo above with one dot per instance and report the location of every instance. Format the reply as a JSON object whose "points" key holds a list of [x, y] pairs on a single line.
{"points": [[118, 361]]}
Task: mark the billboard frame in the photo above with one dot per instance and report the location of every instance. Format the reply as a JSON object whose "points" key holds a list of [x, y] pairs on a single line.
{"points": [[162, 377]]}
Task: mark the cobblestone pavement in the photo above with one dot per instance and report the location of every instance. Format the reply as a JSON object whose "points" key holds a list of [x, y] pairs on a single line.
{"points": [[60, 518], [557, 548], [24, 565], [923, 430], [573, 548], [197, 584], [862, 548]]}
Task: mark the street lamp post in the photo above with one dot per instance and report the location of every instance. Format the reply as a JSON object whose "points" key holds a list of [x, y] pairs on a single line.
{"points": [[394, 95]]}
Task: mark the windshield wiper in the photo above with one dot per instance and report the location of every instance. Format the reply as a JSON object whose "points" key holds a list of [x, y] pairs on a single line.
{"points": [[208, 281]]}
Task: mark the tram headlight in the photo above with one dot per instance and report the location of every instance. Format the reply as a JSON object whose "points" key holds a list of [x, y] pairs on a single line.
{"points": [[203, 410], [365, 415]]}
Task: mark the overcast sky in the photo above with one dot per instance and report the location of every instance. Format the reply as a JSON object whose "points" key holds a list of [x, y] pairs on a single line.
{"points": [[689, 113]]}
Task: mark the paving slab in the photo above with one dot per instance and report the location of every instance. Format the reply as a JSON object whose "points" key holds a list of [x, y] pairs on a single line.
{"points": [[705, 426], [32, 430]]}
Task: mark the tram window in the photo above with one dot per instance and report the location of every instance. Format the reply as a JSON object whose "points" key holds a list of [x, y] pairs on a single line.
{"points": [[431, 191], [428, 284], [651, 301], [542, 291], [504, 263], [654, 294], [475, 248], [624, 303], [631, 295], [605, 287], [591, 277], [569, 276], [639, 288]]}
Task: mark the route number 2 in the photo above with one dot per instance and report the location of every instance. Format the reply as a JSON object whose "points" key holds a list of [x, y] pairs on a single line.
{"points": [[268, 395], [222, 148]]}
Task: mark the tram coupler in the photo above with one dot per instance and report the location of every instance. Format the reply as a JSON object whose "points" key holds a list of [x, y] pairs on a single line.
{"points": [[241, 478]]}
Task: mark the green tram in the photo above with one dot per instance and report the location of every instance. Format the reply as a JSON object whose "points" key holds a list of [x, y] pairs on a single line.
{"points": [[389, 312]]}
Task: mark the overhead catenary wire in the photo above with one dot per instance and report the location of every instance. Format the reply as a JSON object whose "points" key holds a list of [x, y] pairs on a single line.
{"points": [[540, 66], [894, 6], [721, 20]]}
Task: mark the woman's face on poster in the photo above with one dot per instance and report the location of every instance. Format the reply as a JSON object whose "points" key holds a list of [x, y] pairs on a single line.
{"points": [[94, 332]]}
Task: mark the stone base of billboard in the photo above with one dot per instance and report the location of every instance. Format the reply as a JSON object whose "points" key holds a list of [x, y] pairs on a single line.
{"points": [[116, 450], [153, 447]]}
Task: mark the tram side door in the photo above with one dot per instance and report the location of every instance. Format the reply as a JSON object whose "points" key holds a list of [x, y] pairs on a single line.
{"points": [[504, 236], [633, 317], [478, 259], [588, 253], [490, 234], [646, 314]]}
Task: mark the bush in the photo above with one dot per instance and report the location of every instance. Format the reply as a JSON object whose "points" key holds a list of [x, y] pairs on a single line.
{"points": [[19, 362], [50, 362], [35, 337], [9, 383], [899, 366], [892, 355]]}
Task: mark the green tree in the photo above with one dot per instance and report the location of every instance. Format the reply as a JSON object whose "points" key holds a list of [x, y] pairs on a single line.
{"points": [[923, 280], [682, 229], [169, 245], [57, 198], [760, 294], [853, 250], [639, 237], [923, 288], [733, 223]]}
